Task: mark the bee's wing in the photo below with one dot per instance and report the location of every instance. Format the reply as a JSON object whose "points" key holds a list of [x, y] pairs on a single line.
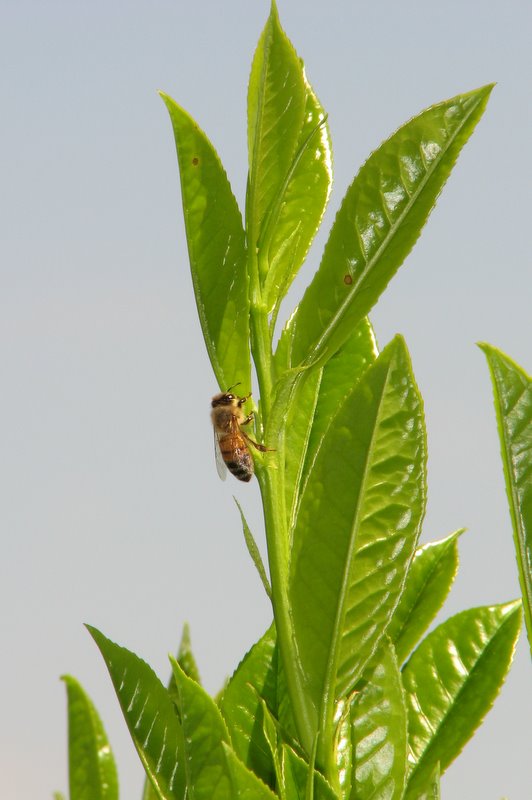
{"points": [[220, 463]]}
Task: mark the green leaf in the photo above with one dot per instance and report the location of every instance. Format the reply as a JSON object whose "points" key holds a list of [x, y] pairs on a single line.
{"points": [[58, 796], [148, 792], [150, 715], [188, 664], [91, 766], [428, 582], [317, 398], [302, 781], [343, 747], [340, 375], [513, 405], [433, 790], [254, 679], [300, 204], [450, 684], [270, 729], [284, 711], [185, 656], [245, 785], [277, 96], [357, 528], [204, 733], [295, 776], [379, 732], [254, 552], [379, 222], [217, 250], [298, 431], [214, 771]]}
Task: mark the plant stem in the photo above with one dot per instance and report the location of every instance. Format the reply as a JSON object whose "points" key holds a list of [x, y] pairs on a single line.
{"points": [[262, 356], [272, 492], [271, 480]]}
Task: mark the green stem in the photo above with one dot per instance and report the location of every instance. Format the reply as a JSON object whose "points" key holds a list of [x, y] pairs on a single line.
{"points": [[262, 356], [270, 475], [272, 492]]}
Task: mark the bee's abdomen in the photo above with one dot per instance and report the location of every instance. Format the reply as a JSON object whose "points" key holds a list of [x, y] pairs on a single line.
{"points": [[237, 457], [244, 472]]}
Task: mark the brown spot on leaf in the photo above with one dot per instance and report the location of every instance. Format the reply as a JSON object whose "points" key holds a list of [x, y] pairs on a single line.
{"points": [[348, 280], [195, 161]]}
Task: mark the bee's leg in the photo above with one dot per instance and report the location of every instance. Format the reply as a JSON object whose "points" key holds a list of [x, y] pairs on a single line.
{"points": [[250, 417], [260, 447], [242, 400]]}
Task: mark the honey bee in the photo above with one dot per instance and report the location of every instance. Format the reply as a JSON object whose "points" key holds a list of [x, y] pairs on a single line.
{"points": [[230, 441]]}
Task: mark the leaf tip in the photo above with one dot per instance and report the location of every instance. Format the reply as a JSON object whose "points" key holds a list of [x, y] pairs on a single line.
{"points": [[483, 91], [274, 12], [512, 606], [167, 100], [174, 662], [398, 347], [99, 638], [185, 643]]}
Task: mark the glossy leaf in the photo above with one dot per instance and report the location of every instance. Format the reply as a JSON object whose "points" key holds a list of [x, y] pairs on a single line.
{"points": [[302, 781], [433, 789], [428, 582], [451, 682], [298, 431], [204, 733], [276, 105], [379, 732], [245, 785], [91, 766], [341, 373], [254, 552], [301, 202], [148, 792], [150, 715], [185, 656], [214, 770], [379, 222], [513, 405], [342, 748], [272, 736], [187, 662], [217, 250], [357, 529], [317, 398], [284, 711], [295, 780], [254, 679]]}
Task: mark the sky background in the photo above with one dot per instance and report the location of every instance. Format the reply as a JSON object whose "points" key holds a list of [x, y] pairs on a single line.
{"points": [[111, 509]]}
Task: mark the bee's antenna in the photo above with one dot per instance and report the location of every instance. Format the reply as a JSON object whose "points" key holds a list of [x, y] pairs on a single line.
{"points": [[233, 386]]}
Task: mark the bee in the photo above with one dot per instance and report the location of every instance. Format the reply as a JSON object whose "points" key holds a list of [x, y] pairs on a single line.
{"points": [[230, 441]]}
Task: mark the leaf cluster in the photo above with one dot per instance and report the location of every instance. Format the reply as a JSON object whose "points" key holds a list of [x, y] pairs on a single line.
{"points": [[345, 696]]}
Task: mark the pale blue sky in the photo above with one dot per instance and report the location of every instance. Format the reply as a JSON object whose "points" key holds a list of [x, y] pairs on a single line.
{"points": [[112, 511]]}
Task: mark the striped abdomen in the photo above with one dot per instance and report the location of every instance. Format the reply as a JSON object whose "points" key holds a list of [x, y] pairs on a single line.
{"points": [[236, 455]]}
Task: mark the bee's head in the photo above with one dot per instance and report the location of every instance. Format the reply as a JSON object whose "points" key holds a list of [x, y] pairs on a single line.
{"points": [[223, 399], [228, 399]]}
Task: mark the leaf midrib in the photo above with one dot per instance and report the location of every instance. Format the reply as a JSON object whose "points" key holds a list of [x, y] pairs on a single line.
{"points": [[519, 527], [322, 340], [328, 693]]}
